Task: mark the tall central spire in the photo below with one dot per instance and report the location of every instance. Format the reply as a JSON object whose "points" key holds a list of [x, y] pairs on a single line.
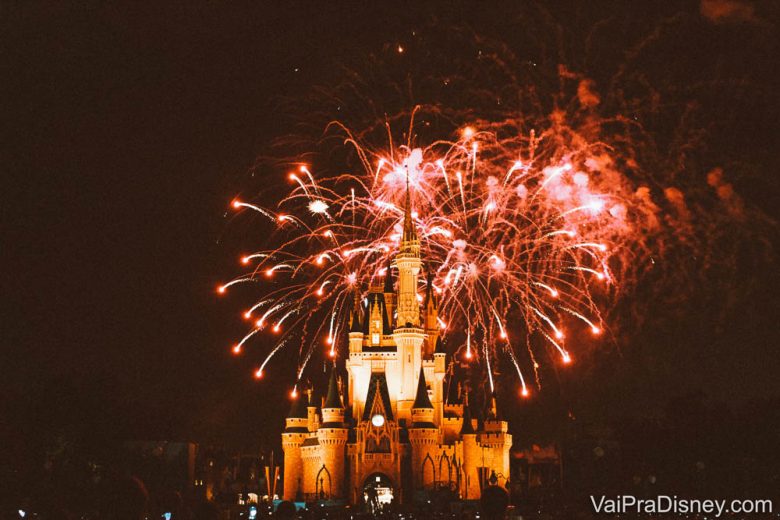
{"points": [[408, 262], [409, 238]]}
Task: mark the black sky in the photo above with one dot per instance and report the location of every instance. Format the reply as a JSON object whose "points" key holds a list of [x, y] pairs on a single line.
{"points": [[127, 130]]}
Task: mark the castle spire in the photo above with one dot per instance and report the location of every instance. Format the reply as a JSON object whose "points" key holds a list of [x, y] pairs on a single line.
{"points": [[430, 296], [298, 409], [439, 346], [409, 238], [334, 399], [354, 318], [422, 400]]}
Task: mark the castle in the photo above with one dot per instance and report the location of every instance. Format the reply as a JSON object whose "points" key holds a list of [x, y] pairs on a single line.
{"points": [[392, 432]]}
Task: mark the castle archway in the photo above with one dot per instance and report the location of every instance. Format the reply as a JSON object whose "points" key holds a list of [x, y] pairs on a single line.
{"points": [[378, 491]]}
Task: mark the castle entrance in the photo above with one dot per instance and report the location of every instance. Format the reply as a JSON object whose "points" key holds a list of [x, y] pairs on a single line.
{"points": [[377, 492]]}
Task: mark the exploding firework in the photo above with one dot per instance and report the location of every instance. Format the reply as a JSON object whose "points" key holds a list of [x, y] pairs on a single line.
{"points": [[539, 200], [520, 239]]}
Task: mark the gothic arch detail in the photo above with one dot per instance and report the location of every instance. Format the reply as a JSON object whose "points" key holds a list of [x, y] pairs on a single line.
{"points": [[445, 470], [320, 483], [428, 470]]}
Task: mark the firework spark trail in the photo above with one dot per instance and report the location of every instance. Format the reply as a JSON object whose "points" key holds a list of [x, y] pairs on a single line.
{"points": [[240, 344]]}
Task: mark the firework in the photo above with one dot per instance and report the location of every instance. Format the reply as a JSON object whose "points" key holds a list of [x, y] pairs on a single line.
{"points": [[518, 237]]}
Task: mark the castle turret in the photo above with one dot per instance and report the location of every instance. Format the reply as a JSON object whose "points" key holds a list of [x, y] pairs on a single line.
{"points": [[377, 324], [496, 442], [295, 432], [356, 336], [333, 408], [423, 437], [409, 263], [355, 326], [408, 335], [471, 455], [332, 438], [422, 409]]}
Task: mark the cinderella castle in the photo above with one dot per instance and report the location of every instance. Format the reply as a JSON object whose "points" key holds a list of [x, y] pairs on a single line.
{"points": [[388, 431]]}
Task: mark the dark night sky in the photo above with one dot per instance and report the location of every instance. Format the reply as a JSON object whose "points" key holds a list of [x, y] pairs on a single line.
{"points": [[127, 131]]}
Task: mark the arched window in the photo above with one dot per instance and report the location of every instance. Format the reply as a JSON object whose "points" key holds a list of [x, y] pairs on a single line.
{"points": [[428, 472]]}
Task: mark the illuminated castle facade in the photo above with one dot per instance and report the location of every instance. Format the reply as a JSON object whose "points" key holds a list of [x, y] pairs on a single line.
{"points": [[386, 429]]}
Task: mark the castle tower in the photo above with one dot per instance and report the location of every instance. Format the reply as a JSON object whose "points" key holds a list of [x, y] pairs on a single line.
{"points": [[332, 438], [470, 489], [423, 437], [355, 346], [355, 326], [376, 325], [408, 335], [496, 442], [295, 432], [408, 262]]}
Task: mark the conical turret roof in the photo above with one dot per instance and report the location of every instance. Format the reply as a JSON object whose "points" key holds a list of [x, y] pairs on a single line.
{"points": [[334, 399], [422, 400], [439, 349], [354, 320], [298, 409], [466, 427]]}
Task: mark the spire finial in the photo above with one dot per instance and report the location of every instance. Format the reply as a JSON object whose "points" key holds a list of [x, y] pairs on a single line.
{"points": [[408, 202]]}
